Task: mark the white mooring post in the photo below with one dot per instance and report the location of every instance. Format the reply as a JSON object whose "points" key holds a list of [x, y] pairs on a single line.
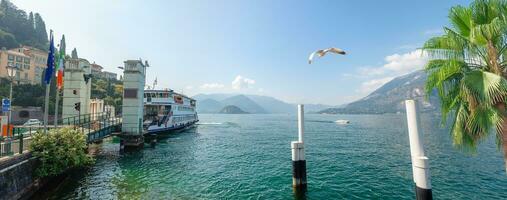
{"points": [[420, 163], [298, 155]]}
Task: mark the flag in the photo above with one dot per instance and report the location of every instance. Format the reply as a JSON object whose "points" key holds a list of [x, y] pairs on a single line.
{"points": [[60, 65], [51, 60]]}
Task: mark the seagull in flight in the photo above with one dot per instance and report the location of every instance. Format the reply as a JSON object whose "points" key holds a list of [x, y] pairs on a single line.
{"points": [[322, 52]]}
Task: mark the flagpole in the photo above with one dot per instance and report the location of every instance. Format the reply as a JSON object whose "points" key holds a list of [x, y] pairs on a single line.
{"points": [[47, 78], [56, 107], [46, 108]]}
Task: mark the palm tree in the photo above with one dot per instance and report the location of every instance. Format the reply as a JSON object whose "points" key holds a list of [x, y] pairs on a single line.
{"points": [[468, 70]]}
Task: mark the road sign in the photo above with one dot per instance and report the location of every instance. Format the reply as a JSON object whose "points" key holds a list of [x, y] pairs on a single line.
{"points": [[6, 105]]}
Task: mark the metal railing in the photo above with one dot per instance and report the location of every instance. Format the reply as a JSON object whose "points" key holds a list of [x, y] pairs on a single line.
{"points": [[96, 126]]}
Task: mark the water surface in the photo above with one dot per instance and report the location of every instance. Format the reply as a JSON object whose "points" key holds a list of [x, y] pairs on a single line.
{"points": [[248, 157]]}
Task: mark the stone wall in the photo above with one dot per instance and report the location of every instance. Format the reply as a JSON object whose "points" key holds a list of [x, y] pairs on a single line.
{"points": [[16, 177]]}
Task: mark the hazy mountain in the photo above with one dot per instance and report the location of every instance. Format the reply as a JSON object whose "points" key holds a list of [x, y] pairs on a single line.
{"points": [[313, 108], [208, 106], [232, 110], [272, 105], [244, 103], [391, 96], [213, 103]]}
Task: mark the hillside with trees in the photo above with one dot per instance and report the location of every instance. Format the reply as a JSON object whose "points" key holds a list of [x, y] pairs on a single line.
{"points": [[111, 91], [20, 28]]}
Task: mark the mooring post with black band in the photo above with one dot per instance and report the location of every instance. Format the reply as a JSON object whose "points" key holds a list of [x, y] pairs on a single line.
{"points": [[298, 155], [420, 163]]}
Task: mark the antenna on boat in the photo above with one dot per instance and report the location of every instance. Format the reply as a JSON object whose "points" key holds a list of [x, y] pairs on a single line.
{"points": [[154, 83]]}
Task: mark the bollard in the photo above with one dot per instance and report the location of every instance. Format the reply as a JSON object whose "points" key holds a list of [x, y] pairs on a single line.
{"points": [[298, 165], [153, 141], [20, 143], [298, 155], [420, 163], [122, 145]]}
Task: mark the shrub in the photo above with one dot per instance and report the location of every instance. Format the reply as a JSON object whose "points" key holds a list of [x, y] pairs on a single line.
{"points": [[59, 150]]}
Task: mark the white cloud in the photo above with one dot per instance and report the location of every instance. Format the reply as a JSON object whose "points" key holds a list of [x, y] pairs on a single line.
{"points": [[242, 82], [189, 87], [207, 86], [371, 85], [396, 65], [406, 63], [261, 90]]}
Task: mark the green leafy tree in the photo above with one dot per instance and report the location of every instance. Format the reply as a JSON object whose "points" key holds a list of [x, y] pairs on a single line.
{"points": [[468, 69], [109, 90], [18, 27], [59, 150]]}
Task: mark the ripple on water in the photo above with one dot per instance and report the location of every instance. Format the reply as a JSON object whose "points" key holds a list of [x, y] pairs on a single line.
{"points": [[248, 157]]}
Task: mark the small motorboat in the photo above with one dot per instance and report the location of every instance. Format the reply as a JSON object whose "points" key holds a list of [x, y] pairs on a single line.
{"points": [[342, 121]]}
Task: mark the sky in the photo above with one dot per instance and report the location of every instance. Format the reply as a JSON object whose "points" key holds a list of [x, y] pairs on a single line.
{"points": [[253, 47]]}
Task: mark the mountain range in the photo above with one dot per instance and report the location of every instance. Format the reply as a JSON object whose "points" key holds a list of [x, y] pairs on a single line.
{"points": [[390, 97], [214, 103]]}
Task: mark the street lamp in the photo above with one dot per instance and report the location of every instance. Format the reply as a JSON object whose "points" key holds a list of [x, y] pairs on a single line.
{"points": [[11, 72]]}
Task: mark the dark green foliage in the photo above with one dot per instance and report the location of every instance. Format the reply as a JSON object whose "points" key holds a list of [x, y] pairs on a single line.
{"points": [[18, 28], [74, 53], [59, 150], [29, 95], [33, 95], [109, 90]]}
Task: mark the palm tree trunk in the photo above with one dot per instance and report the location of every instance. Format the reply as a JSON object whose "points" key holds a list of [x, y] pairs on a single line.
{"points": [[503, 131]]}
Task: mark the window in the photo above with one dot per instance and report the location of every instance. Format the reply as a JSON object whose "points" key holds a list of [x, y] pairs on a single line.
{"points": [[27, 66], [159, 95], [10, 57], [19, 59], [129, 93], [26, 75], [17, 65], [27, 60]]}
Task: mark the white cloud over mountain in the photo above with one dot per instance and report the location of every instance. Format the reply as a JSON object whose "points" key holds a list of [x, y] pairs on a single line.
{"points": [[395, 65], [242, 82], [371, 85]]}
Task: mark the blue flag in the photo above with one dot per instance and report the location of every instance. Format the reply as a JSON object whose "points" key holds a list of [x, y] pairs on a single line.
{"points": [[51, 60]]}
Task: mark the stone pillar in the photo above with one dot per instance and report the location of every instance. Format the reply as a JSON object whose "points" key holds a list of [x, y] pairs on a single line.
{"points": [[133, 107], [76, 89]]}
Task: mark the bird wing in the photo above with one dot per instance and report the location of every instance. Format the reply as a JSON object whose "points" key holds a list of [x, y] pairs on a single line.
{"points": [[310, 59], [335, 50]]}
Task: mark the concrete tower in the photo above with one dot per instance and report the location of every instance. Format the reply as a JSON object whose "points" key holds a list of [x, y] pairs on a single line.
{"points": [[133, 94], [77, 87]]}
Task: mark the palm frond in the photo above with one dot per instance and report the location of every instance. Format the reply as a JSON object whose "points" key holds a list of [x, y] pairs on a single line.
{"points": [[461, 19], [484, 87]]}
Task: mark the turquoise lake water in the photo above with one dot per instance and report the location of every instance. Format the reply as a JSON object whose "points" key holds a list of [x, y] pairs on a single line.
{"points": [[249, 157]]}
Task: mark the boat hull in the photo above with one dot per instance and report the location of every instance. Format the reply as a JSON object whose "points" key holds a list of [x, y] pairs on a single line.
{"points": [[165, 130]]}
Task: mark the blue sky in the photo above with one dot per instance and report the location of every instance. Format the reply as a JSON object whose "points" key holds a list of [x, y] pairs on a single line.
{"points": [[253, 47]]}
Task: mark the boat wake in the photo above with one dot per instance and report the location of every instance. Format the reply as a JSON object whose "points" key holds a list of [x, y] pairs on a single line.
{"points": [[209, 123]]}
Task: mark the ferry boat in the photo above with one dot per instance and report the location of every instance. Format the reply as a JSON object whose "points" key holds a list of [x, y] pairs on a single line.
{"points": [[166, 110]]}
